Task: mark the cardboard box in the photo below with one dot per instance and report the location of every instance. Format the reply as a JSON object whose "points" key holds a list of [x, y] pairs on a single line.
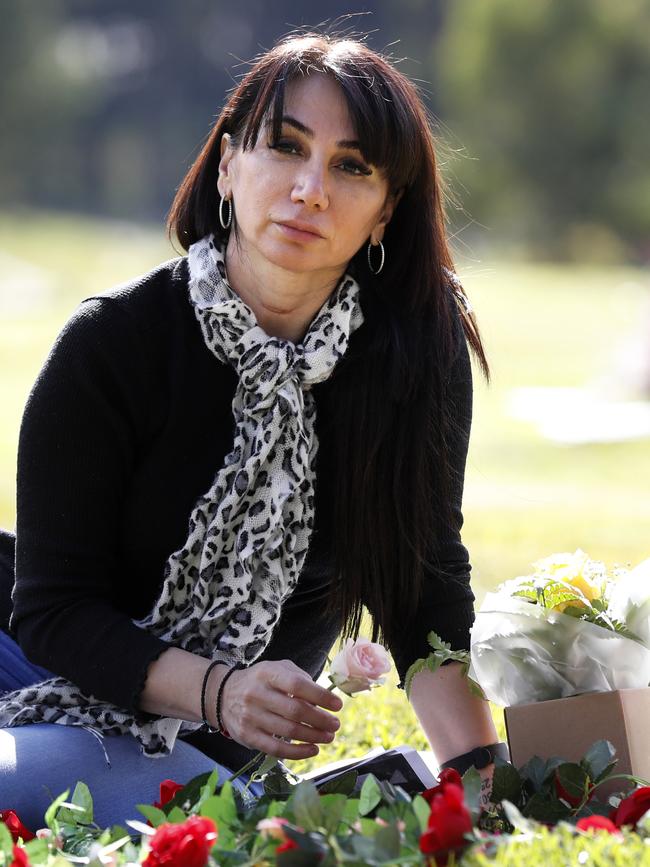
{"points": [[567, 727]]}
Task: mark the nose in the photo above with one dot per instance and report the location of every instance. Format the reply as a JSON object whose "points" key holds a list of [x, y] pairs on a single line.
{"points": [[310, 187]]}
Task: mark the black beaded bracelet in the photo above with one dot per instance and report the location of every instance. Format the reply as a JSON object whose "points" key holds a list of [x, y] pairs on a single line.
{"points": [[203, 690], [479, 758], [220, 726]]}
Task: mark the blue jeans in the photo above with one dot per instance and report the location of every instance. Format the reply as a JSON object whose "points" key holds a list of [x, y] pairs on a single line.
{"points": [[39, 761]]}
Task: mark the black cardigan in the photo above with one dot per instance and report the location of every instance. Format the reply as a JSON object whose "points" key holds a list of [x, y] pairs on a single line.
{"points": [[124, 429]]}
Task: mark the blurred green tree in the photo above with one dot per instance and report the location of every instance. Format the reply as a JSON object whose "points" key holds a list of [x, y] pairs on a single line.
{"points": [[548, 103]]}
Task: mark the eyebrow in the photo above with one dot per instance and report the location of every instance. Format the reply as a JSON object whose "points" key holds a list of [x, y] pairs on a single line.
{"points": [[350, 144]]}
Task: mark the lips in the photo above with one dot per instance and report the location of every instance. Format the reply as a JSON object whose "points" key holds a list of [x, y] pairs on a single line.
{"points": [[303, 228]]}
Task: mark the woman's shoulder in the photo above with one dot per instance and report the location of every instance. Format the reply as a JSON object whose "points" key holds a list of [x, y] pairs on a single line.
{"points": [[148, 297], [129, 327], [147, 309]]}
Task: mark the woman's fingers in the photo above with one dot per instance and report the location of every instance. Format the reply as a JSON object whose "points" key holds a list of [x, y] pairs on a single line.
{"points": [[279, 726], [279, 699], [284, 750], [291, 680], [297, 710]]}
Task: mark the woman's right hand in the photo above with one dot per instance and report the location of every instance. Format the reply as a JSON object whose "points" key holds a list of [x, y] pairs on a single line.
{"points": [[271, 704]]}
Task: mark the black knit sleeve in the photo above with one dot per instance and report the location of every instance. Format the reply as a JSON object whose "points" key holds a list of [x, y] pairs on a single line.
{"points": [[82, 427], [447, 604]]}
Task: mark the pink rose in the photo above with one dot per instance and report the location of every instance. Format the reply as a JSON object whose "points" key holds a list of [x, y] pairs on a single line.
{"points": [[273, 827], [359, 666]]}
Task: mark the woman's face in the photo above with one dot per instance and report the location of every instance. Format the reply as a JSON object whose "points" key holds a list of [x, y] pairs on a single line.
{"points": [[309, 202]]}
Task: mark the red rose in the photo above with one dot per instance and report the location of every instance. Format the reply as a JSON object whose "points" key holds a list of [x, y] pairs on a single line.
{"points": [[286, 847], [15, 826], [20, 858], [630, 810], [572, 800], [596, 823], [168, 788], [187, 844], [449, 821], [448, 775]]}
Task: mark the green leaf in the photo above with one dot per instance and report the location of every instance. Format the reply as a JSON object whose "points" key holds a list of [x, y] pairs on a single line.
{"points": [[222, 810], [368, 826], [369, 796], [599, 759], [68, 813], [343, 785], [190, 792], [391, 794], [305, 802], [333, 808], [351, 812], [387, 843], [506, 782], [418, 666], [82, 798], [364, 848], [275, 808], [227, 807], [6, 842], [516, 819], [573, 779], [475, 687], [50, 814], [551, 765], [37, 851], [534, 773], [218, 810], [436, 642], [176, 816], [527, 592], [593, 808], [152, 814], [472, 786], [208, 789], [442, 653], [117, 832], [267, 765], [545, 808], [422, 810], [276, 784], [311, 850]]}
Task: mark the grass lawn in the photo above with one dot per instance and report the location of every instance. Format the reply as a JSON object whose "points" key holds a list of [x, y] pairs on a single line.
{"points": [[543, 325]]}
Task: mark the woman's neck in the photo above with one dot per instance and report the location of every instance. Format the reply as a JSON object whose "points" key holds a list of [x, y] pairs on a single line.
{"points": [[284, 302]]}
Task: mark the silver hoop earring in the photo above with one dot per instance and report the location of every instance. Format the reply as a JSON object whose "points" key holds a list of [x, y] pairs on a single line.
{"points": [[383, 258], [225, 224]]}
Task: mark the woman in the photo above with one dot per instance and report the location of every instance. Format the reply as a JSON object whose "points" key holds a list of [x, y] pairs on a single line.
{"points": [[310, 351]]}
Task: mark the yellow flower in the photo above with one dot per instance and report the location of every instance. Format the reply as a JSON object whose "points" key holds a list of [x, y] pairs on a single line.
{"points": [[575, 570]]}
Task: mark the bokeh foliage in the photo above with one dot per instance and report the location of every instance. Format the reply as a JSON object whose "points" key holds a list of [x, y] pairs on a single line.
{"points": [[550, 103], [105, 103]]}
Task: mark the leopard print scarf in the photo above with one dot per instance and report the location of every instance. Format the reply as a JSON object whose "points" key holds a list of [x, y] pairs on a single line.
{"points": [[223, 591]]}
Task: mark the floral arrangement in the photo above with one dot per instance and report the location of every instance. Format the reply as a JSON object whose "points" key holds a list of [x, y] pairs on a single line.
{"points": [[208, 822], [568, 628], [205, 823]]}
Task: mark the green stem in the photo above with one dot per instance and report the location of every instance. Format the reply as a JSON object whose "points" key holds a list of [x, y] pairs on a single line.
{"points": [[254, 761], [588, 795], [634, 779]]}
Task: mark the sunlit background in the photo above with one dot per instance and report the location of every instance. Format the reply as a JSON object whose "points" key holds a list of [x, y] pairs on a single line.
{"points": [[541, 114]]}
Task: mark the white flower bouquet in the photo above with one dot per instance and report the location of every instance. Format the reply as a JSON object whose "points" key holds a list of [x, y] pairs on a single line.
{"points": [[569, 628]]}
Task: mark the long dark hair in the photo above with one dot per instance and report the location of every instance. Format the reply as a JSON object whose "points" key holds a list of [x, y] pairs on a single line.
{"points": [[393, 423]]}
